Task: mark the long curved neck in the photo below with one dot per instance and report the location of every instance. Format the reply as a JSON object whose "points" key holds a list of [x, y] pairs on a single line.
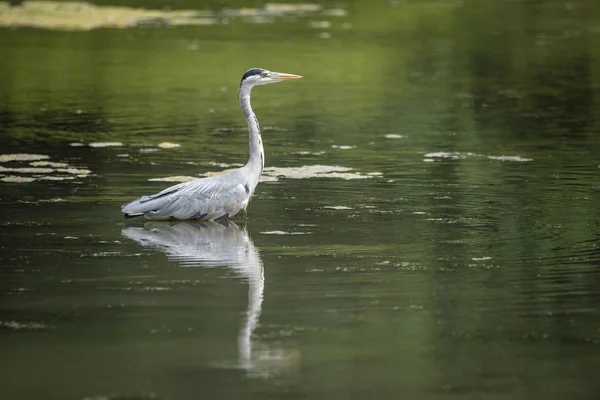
{"points": [[256, 162]]}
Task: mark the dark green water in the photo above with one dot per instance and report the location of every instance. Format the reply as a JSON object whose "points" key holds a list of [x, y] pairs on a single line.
{"points": [[467, 268]]}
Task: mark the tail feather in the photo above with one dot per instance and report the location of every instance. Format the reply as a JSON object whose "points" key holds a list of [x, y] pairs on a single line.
{"points": [[146, 205], [135, 208], [127, 216]]}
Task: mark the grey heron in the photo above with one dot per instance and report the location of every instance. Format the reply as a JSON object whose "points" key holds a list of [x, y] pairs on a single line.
{"points": [[219, 197]]}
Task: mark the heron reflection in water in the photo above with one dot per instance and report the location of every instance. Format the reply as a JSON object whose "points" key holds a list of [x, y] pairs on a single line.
{"points": [[213, 244]]}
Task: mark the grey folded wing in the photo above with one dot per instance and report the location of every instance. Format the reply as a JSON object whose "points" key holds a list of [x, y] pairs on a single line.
{"points": [[212, 198]]}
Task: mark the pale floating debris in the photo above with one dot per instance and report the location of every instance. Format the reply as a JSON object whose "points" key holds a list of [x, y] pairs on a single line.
{"points": [[79, 15], [444, 220], [105, 144], [393, 136], [103, 254], [224, 165], [215, 173], [481, 258], [155, 289], [338, 207], [242, 12], [75, 171], [273, 128], [308, 153], [16, 179], [178, 178], [56, 178], [76, 144], [71, 237], [342, 147], [284, 233], [123, 155], [27, 170], [229, 129], [267, 178], [461, 156], [22, 157], [313, 171], [441, 154], [320, 24], [428, 160], [148, 150], [259, 19], [335, 12], [49, 164], [419, 212], [292, 8], [374, 173], [168, 145], [23, 325], [510, 158]]}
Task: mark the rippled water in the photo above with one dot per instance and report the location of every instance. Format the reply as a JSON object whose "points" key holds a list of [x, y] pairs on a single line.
{"points": [[428, 225]]}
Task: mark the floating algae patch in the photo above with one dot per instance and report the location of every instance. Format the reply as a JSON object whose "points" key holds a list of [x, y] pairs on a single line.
{"points": [[292, 8], [38, 170], [75, 171], [81, 16], [308, 153], [55, 178], [16, 325], [105, 144], [16, 179], [22, 156], [148, 150], [315, 171], [168, 145], [225, 165], [76, 16], [178, 178], [48, 164], [342, 147], [284, 233], [27, 170], [338, 207], [464, 155]]}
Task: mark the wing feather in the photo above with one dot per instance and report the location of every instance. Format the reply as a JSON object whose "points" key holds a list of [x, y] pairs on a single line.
{"points": [[221, 196]]}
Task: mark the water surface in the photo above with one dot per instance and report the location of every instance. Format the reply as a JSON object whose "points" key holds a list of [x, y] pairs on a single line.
{"points": [[452, 249]]}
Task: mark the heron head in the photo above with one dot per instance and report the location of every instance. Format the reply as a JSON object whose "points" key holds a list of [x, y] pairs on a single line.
{"points": [[259, 76]]}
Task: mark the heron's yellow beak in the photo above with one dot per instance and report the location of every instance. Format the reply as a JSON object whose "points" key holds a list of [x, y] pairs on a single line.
{"points": [[280, 76]]}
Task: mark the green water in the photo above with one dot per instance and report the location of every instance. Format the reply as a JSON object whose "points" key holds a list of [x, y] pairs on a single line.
{"points": [[465, 266]]}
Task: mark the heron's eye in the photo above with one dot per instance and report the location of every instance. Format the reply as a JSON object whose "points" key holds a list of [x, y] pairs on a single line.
{"points": [[264, 74]]}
